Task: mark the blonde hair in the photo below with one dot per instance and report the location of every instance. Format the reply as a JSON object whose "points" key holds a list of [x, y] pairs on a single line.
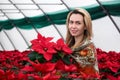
{"points": [[88, 24]]}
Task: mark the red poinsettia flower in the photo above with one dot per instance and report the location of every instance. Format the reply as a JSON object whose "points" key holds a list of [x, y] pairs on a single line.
{"points": [[43, 67], [113, 66], [61, 46], [35, 77], [111, 77], [60, 65], [21, 76], [2, 73], [9, 75], [41, 39], [28, 68], [51, 76], [70, 68], [44, 46]]}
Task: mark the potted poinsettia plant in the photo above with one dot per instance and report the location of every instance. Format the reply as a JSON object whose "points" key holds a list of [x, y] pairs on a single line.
{"points": [[47, 60], [109, 64], [51, 60]]}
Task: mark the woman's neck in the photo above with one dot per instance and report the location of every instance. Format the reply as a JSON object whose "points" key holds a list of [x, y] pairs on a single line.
{"points": [[79, 39]]}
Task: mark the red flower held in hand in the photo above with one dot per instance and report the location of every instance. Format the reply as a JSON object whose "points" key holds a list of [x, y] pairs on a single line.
{"points": [[44, 46], [61, 46]]}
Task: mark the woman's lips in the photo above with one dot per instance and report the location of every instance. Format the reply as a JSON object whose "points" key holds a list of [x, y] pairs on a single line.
{"points": [[73, 31]]}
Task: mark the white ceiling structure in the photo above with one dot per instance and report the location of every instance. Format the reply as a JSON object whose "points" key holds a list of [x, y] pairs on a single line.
{"points": [[106, 36]]}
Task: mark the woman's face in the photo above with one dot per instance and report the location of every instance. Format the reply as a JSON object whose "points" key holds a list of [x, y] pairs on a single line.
{"points": [[76, 25]]}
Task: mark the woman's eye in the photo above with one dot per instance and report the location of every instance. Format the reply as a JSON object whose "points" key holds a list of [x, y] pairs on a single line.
{"points": [[78, 23], [70, 22]]}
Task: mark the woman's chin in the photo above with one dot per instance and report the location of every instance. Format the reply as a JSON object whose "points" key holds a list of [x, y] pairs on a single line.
{"points": [[74, 35]]}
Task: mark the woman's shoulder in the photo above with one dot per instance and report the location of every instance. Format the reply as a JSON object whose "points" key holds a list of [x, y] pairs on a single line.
{"points": [[86, 44], [91, 45]]}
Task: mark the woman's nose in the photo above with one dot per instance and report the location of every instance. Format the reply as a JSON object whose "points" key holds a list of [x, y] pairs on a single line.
{"points": [[73, 25]]}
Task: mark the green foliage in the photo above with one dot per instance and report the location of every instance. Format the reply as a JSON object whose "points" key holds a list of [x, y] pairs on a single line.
{"points": [[66, 59], [33, 55], [63, 78]]}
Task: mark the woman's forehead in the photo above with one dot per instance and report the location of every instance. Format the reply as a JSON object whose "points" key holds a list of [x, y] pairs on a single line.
{"points": [[76, 17]]}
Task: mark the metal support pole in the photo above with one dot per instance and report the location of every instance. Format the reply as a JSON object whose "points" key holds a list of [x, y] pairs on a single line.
{"points": [[107, 12]]}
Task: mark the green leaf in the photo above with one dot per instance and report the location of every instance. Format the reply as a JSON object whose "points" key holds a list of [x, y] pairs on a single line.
{"points": [[60, 54], [66, 59], [40, 58], [55, 58], [32, 55], [63, 78], [36, 56]]}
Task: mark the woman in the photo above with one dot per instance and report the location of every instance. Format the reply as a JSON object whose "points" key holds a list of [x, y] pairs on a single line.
{"points": [[79, 34]]}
